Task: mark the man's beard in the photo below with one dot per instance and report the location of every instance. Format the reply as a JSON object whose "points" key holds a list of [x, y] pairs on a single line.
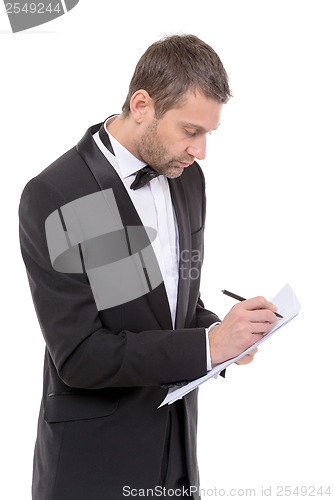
{"points": [[155, 154]]}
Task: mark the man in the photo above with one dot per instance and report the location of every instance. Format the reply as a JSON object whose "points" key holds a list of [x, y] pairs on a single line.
{"points": [[112, 348]]}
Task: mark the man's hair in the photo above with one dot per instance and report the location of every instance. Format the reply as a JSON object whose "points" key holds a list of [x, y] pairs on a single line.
{"points": [[172, 66]]}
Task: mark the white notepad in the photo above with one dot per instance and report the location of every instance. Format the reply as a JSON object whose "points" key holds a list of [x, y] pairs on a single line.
{"points": [[288, 306]]}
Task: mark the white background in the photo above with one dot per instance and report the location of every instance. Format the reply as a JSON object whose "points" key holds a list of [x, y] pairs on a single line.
{"points": [[269, 215]]}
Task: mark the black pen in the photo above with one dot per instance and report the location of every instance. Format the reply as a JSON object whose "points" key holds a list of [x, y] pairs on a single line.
{"points": [[238, 297]]}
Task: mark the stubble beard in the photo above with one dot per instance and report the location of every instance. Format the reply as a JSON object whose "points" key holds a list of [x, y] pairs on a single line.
{"points": [[155, 154]]}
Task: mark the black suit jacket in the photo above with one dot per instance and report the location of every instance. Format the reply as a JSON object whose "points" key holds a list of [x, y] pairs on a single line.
{"points": [[105, 371]]}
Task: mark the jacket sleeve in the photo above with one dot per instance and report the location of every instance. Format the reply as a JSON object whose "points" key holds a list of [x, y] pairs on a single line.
{"points": [[205, 318], [85, 353]]}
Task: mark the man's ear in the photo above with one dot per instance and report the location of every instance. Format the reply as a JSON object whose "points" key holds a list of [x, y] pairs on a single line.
{"points": [[141, 106]]}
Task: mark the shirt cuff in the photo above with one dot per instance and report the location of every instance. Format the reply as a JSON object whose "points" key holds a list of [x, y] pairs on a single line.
{"points": [[209, 360]]}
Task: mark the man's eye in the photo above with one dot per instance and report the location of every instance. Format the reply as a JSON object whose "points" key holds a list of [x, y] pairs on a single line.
{"points": [[190, 133]]}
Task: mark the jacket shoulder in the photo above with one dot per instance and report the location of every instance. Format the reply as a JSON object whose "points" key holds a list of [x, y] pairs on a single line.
{"points": [[194, 175], [64, 180]]}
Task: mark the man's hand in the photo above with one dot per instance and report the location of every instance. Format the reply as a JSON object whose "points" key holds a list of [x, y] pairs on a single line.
{"points": [[245, 324], [245, 360]]}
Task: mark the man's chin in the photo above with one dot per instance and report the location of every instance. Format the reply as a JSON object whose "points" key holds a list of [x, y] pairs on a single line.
{"points": [[174, 172]]}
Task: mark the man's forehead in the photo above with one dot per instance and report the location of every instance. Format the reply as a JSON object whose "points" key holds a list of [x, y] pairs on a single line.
{"points": [[196, 111]]}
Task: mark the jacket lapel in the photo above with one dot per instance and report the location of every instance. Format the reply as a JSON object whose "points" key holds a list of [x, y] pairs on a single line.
{"points": [[185, 248], [106, 178]]}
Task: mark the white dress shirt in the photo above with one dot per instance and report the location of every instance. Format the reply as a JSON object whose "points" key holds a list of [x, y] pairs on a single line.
{"points": [[154, 206]]}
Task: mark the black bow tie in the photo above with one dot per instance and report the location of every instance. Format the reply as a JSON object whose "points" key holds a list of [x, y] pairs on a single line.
{"points": [[143, 176]]}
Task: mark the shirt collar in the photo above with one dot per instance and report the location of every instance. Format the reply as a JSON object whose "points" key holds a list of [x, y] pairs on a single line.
{"points": [[128, 164]]}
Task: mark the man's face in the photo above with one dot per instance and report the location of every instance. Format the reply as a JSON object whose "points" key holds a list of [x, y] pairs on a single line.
{"points": [[174, 141]]}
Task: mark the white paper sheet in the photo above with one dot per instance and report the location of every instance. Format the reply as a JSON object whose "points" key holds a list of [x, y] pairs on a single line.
{"points": [[288, 306]]}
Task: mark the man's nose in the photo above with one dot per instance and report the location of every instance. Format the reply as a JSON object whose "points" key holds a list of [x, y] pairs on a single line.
{"points": [[197, 149]]}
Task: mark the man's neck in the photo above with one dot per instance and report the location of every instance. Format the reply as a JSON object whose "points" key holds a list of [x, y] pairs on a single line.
{"points": [[123, 130]]}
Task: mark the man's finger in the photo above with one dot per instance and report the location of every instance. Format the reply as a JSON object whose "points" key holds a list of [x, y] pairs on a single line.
{"points": [[262, 316], [258, 303], [257, 328], [247, 358]]}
